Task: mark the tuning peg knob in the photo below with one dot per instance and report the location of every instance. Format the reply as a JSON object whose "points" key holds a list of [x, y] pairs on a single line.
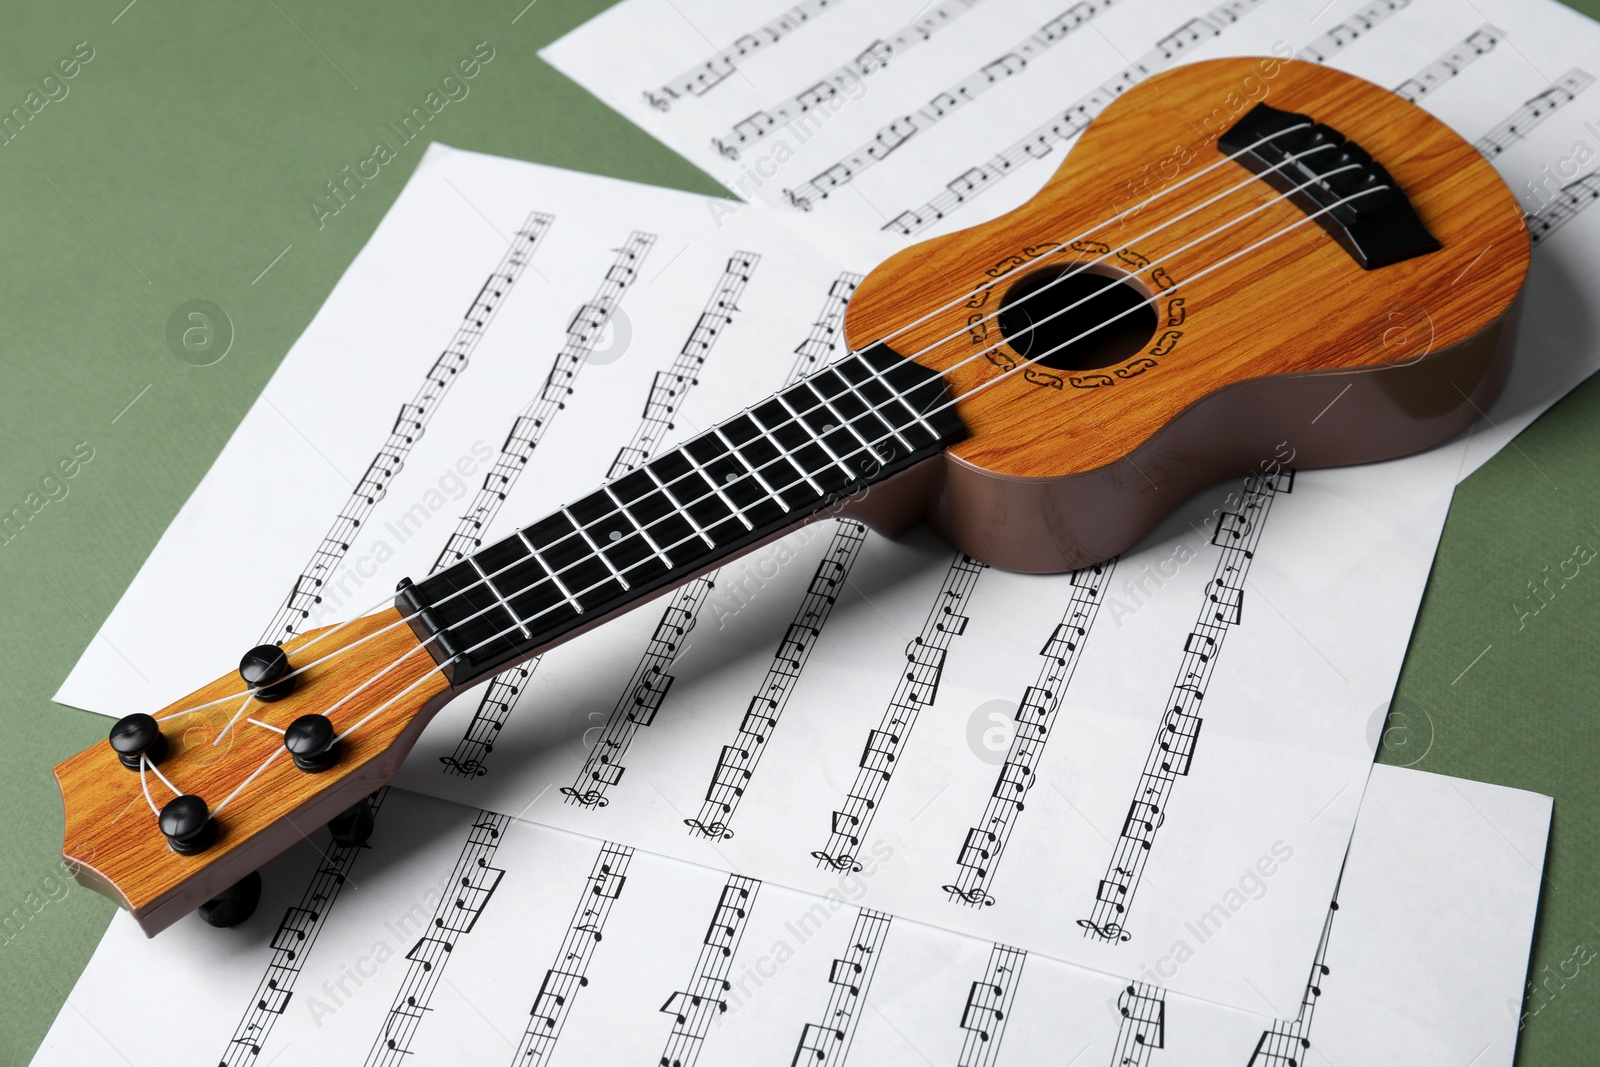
{"points": [[138, 735], [265, 669], [188, 824], [312, 743]]}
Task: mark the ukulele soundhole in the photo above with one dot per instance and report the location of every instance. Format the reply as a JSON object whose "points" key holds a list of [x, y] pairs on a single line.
{"points": [[1075, 321]]}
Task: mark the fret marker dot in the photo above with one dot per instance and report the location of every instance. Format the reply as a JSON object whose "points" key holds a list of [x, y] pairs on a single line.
{"points": [[616, 535], [731, 478]]}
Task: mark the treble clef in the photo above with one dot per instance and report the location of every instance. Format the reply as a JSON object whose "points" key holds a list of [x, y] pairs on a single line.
{"points": [[470, 766], [590, 799], [709, 829], [1109, 931], [842, 862], [975, 895]]}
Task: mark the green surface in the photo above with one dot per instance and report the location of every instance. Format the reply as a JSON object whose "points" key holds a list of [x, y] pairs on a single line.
{"points": [[183, 159]]}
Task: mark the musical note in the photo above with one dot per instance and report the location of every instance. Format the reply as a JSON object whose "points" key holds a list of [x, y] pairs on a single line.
{"points": [[1065, 125], [976, 850], [1180, 731], [470, 758], [737, 762], [918, 688], [1521, 122], [1284, 1043], [696, 1007], [1011, 63], [1572, 200], [1362, 22], [454, 915], [849, 977], [988, 1004], [651, 680], [1144, 1012], [1171, 752], [1477, 44], [708, 74], [842, 82], [562, 982], [1035, 716], [294, 615], [293, 939]]}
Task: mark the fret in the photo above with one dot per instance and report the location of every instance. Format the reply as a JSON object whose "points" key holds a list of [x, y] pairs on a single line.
{"points": [[686, 485], [717, 488], [722, 491], [640, 530], [884, 396], [585, 572], [590, 541], [752, 471], [783, 453], [704, 536], [554, 575], [476, 566], [801, 446], [728, 473], [849, 423], [846, 401], [820, 439]]}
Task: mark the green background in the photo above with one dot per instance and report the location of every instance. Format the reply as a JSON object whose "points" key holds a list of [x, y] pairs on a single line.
{"points": [[183, 161]]}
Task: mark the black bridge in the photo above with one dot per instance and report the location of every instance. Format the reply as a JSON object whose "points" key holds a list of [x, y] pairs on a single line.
{"points": [[1363, 208]]}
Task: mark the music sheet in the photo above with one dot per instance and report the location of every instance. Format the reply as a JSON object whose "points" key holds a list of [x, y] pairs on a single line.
{"points": [[869, 127], [559, 949], [1020, 756]]}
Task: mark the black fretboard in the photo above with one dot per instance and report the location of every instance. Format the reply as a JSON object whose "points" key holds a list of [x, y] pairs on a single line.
{"points": [[826, 437]]}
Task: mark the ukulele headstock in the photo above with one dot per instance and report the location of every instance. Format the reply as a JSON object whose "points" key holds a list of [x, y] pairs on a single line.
{"points": [[371, 681]]}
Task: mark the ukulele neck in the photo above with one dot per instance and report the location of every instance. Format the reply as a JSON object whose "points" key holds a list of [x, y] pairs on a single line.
{"points": [[828, 436]]}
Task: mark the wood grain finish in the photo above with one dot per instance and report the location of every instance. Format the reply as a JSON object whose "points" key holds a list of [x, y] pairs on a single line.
{"points": [[112, 838], [1067, 469]]}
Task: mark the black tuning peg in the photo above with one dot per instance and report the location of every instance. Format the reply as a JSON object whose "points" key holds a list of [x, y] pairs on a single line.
{"points": [[265, 669], [188, 824], [312, 743], [234, 904], [138, 735]]}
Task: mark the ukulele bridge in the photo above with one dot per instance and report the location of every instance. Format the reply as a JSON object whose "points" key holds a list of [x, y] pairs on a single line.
{"points": [[1320, 170]]}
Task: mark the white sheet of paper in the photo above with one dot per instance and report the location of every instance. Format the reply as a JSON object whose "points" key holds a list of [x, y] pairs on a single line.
{"points": [[865, 121], [570, 951], [761, 718]]}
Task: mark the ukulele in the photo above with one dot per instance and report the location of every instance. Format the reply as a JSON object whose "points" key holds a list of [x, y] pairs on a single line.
{"points": [[1237, 255]]}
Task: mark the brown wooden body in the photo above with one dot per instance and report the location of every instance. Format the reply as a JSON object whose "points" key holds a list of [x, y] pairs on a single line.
{"points": [[1066, 469]]}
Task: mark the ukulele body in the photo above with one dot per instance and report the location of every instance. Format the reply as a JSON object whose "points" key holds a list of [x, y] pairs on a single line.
{"points": [[1290, 355]]}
